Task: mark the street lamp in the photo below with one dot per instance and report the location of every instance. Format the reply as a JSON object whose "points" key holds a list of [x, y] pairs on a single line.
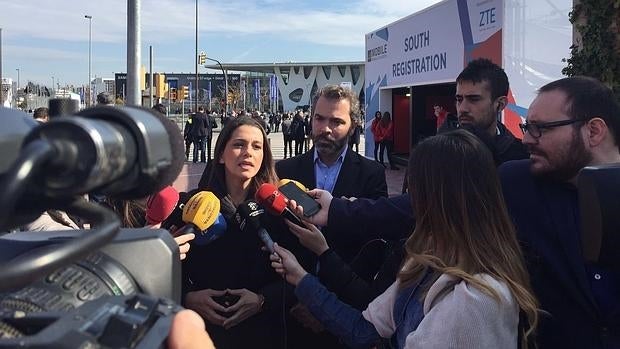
{"points": [[52, 91], [90, 27], [17, 78], [225, 81]]}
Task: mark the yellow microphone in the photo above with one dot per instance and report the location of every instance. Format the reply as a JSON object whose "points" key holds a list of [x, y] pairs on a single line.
{"points": [[199, 213], [284, 181]]}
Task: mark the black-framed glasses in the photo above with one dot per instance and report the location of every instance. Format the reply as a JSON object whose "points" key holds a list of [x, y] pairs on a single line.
{"points": [[535, 129]]}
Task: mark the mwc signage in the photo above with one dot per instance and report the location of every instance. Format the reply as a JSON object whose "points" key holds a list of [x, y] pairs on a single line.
{"points": [[432, 45]]}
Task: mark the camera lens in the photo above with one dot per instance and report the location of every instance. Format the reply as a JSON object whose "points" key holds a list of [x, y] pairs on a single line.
{"points": [[69, 287]]}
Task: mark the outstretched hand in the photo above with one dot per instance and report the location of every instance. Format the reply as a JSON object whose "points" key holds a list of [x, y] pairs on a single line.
{"points": [[310, 237], [324, 198], [285, 264]]}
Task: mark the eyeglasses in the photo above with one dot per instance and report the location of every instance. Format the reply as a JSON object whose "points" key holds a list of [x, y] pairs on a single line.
{"points": [[535, 130]]}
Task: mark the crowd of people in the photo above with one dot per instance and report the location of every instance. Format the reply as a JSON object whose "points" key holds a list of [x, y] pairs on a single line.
{"points": [[482, 251]]}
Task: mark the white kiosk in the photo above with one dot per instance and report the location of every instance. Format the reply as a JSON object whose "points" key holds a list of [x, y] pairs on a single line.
{"points": [[412, 63]]}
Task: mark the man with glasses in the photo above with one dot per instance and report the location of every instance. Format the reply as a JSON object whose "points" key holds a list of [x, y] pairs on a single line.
{"points": [[572, 123]]}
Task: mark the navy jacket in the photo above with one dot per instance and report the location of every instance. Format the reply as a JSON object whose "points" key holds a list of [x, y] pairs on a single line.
{"points": [[546, 215]]}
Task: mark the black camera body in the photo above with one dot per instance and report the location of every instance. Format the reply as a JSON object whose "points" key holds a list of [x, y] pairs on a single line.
{"points": [[137, 321], [123, 295]]}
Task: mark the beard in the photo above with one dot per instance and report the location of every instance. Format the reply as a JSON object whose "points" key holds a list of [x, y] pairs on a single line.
{"points": [[327, 146], [567, 162], [483, 123]]}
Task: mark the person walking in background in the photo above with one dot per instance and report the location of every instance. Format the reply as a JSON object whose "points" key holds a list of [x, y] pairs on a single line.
{"points": [[385, 129], [278, 121], [287, 135], [298, 131], [41, 114], [375, 132], [199, 131], [354, 140], [187, 135], [440, 115]]}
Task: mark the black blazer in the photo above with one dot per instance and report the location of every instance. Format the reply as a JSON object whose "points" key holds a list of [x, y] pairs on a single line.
{"points": [[359, 177]]}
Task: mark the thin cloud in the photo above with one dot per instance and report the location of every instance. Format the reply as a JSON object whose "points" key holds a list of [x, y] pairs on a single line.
{"points": [[167, 20]]}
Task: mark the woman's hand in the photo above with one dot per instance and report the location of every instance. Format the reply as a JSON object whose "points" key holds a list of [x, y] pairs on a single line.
{"points": [[183, 242], [203, 303], [285, 264], [248, 304], [310, 237]]}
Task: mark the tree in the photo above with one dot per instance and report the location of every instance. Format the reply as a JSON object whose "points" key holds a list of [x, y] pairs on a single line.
{"points": [[596, 48]]}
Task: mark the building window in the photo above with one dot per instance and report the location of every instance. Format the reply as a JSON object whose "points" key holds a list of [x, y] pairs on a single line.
{"points": [[296, 95]]}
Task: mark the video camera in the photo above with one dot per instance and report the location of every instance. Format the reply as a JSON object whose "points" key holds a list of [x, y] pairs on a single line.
{"points": [[104, 287]]}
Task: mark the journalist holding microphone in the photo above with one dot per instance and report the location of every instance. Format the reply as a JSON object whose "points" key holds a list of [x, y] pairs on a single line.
{"points": [[463, 282], [229, 281]]}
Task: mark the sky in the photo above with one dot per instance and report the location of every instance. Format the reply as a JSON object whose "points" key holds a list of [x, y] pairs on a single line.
{"points": [[48, 40]]}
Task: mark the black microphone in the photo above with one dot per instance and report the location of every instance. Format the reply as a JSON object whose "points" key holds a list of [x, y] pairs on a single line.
{"points": [[248, 217], [121, 152]]}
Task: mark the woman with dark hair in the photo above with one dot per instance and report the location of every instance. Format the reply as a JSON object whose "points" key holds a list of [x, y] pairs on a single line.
{"points": [[463, 283], [229, 281]]}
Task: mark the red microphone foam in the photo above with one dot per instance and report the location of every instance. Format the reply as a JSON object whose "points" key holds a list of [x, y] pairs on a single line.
{"points": [[159, 206], [271, 198]]}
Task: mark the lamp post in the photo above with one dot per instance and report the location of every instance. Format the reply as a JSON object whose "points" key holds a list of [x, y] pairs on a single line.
{"points": [[17, 78], [53, 84], [225, 81], [196, 58], [90, 27]]}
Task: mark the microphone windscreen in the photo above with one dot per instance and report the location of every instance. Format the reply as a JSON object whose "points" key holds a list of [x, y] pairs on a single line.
{"points": [[202, 210], [213, 233], [270, 198], [286, 181], [176, 217], [159, 206]]}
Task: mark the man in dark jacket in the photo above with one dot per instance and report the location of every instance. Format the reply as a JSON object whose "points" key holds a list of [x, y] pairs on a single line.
{"points": [[199, 132], [481, 95]]}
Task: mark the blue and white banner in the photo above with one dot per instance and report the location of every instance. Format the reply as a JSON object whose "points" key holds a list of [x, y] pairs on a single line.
{"points": [[257, 89], [273, 88]]}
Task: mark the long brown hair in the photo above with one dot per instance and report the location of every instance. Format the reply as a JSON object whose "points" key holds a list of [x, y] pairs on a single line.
{"points": [[267, 171], [462, 224], [386, 119]]}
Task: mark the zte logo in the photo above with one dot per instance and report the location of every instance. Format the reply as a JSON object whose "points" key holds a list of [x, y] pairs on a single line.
{"points": [[487, 17]]}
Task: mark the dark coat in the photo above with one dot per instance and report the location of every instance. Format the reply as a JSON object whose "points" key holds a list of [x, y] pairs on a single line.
{"points": [[236, 261], [200, 125], [359, 177], [546, 214]]}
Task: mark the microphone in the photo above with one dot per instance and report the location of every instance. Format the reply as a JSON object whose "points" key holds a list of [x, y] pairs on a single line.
{"points": [[274, 201], [160, 206], [248, 217], [285, 181], [122, 152], [202, 216]]}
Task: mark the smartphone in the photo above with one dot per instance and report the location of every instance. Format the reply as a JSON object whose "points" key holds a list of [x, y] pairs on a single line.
{"points": [[293, 192]]}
